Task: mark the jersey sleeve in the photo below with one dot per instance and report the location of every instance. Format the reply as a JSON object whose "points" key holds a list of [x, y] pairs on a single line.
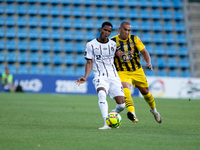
{"points": [[138, 43], [88, 51]]}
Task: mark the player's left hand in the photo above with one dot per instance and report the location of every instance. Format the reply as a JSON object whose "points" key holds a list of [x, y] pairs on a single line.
{"points": [[80, 81], [150, 66]]}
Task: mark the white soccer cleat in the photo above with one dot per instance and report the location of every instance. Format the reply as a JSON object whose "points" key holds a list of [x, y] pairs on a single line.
{"points": [[105, 127], [157, 116], [132, 117]]}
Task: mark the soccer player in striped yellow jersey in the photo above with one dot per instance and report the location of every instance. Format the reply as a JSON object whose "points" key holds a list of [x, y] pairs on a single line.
{"points": [[127, 63]]}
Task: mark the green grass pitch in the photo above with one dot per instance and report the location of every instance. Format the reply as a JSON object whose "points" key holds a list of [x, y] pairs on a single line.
{"points": [[70, 122]]}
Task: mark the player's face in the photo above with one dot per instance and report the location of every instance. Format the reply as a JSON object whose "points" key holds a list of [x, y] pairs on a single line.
{"points": [[105, 32], [125, 31]]}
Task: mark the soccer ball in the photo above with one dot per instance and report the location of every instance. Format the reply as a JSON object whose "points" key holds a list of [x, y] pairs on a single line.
{"points": [[113, 120]]}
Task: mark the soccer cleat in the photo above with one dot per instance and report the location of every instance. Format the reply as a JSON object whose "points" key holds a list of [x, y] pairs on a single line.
{"points": [[132, 117], [105, 127], [157, 116]]}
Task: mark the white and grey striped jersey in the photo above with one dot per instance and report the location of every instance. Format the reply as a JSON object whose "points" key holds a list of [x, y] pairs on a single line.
{"points": [[102, 56]]}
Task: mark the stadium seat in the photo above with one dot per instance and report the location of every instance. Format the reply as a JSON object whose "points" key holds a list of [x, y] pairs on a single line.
{"points": [[22, 57], [98, 3], [43, 10], [44, 34], [33, 33], [158, 38], [99, 23], [99, 12], [1, 9], [87, 2], [160, 50], [172, 62], [10, 20], [57, 59], [34, 58], [34, 70], [2, 56], [80, 71], [167, 14], [157, 26], [32, 9], [67, 35], [182, 51], [179, 26], [2, 44], [77, 11], [155, 14], [57, 46], [66, 10], [133, 13], [90, 34], [132, 3], [1, 21], [2, 68], [78, 23], [10, 8], [111, 12], [171, 50], [178, 15], [184, 63], [22, 69], [55, 1], [177, 3], [161, 62], [88, 12], [58, 71], [173, 73], [146, 25], [66, 23], [70, 71], [169, 38], [148, 72], [55, 22], [1, 32], [162, 72], [33, 1], [33, 45], [168, 26], [134, 25], [79, 35], [45, 45], [150, 49], [10, 32], [76, 2], [46, 58], [109, 2], [12, 68], [11, 57], [46, 70], [166, 3], [80, 47], [181, 38], [144, 14], [68, 47], [69, 59], [121, 3], [21, 9], [185, 73], [21, 21], [44, 22], [33, 21], [146, 37], [122, 13], [143, 3], [56, 34], [43, 1], [80, 60], [11, 44], [89, 23], [155, 3], [22, 33], [55, 10]]}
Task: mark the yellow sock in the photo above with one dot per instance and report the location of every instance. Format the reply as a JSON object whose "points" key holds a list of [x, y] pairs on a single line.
{"points": [[129, 100], [150, 100]]}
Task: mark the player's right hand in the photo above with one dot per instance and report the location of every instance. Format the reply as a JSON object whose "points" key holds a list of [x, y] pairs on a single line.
{"points": [[80, 81]]}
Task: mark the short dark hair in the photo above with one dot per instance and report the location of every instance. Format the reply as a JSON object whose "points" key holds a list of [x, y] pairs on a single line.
{"points": [[106, 23]]}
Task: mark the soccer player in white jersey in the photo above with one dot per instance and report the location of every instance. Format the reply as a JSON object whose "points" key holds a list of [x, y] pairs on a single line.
{"points": [[99, 54]]}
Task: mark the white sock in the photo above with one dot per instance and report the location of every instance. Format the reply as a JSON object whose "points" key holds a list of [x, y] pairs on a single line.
{"points": [[154, 110], [119, 107], [103, 105]]}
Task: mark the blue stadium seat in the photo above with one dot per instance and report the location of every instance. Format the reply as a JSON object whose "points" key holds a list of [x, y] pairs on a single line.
{"points": [[148, 72], [111, 12], [80, 47], [185, 73], [162, 72], [56, 34], [2, 44], [2, 56], [179, 26], [67, 35], [109, 2], [182, 51], [146, 25], [32, 9], [1, 21], [57, 59], [178, 15], [22, 69], [45, 45], [55, 1], [76, 2], [44, 34], [181, 38], [146, 37], [157, 26], [173, 73], [132, 3], [150, 49], [1, 9], [22, 33], [166, 3], [80, 71], [66, 10], [80, 60], [99, 23], [43, 1], [33, 21], [121, 3], [10, 8], [22, 57], [55, 10], [33, 33], [43, 10], [68, 47], [160, 50], [98, 3], [12, 68], [115, 24], [134, 25], [77, 11], [79, 35], [32, 1], [34, 58], [168, 26], [90, 34], [70, 71], [21, 9], [55, 22], [161, 62], [58, 71], [177, 3], [144, 13], [21, 21], [133, 13], [57, 46], [11, 57], [99, 12], [155, 14], [2, 68], [122, 13], [46, 58], [10, 32], [89, 23], [155, 3], [171, 50], [87, 2], [1, 32], [158, 38], [11, 44], [143, 3], [169, 38], [184, 63], [34, 70], [167, 14], [33, 45], [88, 12], [172, 62], [10, 20], [44, 22], [69, 59], [78, 23], [46, 70], [66, 23]]}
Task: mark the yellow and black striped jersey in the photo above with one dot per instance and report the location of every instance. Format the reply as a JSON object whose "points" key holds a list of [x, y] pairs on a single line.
{"points": [[130, 61]]}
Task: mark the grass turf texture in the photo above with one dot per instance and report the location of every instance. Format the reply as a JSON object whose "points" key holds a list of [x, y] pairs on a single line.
{"points": [[69, 122]]}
